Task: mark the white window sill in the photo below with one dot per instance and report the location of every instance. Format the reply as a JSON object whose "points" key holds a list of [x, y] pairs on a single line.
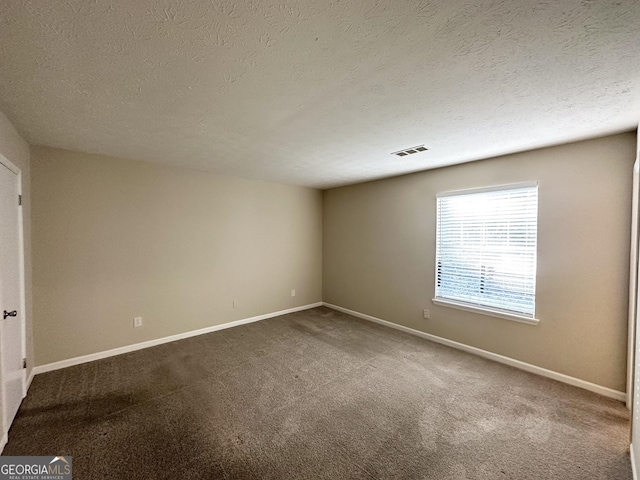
{"points": [[486, 311]]}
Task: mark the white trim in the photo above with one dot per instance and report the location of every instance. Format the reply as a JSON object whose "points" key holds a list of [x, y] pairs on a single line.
{"points": [[3, 442], [158, 341], [633, 284], [23, 286], [633, 463], [493, 188], [485, 311], [29, 380], [561, 377]]}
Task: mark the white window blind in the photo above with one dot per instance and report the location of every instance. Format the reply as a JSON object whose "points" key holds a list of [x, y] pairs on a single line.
{"points": [[486, 248]]}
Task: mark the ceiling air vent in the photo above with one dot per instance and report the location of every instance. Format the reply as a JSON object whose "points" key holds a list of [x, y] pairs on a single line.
{"points": [[410, 151]]}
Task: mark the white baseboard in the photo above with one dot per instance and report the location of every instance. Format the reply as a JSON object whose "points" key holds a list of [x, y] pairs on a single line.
{"points": [[29, 380], [151, 343], [633, 463], [561, 377], [3, 442]]}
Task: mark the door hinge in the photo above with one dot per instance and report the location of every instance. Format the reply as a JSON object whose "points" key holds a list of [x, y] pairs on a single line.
{"points": [[19, 199], [24, 363]]}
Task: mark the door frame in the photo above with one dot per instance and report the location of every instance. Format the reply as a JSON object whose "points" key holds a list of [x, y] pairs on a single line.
{"points": [[633, 285], [22, 303]]}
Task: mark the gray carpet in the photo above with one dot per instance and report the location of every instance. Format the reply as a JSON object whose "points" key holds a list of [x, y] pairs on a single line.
{"points": [[317, 394]]}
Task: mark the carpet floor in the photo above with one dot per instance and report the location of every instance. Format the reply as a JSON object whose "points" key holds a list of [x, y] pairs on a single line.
{"points": [[317, 394]]}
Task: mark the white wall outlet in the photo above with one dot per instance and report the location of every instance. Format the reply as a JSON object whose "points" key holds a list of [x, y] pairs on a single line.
{"points": [[293, 293], [426, 313], [137, 322], [235, 304]]}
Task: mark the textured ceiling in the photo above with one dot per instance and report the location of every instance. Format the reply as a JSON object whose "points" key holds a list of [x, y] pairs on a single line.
{"points": [[317, 92]]}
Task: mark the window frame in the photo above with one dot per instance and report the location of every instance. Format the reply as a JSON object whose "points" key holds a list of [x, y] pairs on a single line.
{"points": [[478, 308]]}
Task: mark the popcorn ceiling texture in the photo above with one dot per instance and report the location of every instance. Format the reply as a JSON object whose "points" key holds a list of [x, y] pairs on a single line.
{"points": [[318, 92]]}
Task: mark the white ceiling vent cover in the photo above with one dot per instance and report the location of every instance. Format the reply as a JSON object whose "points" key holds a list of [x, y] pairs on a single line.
{"points": [[410, 151]]}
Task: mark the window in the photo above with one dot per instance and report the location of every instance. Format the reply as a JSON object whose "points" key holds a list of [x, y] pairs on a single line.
{"points": [[486, 250]]}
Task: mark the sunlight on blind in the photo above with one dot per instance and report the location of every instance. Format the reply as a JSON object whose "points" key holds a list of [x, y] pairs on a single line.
{"points": [[486, 249]]}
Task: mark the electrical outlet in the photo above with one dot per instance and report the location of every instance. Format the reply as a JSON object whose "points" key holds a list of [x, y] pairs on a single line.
{"points": [[293, 293], [236, 304], [137, 322], [426, 313]]}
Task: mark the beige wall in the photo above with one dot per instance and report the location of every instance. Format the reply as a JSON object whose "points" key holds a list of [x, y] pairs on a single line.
{"points": [[114, 239], [15, 149], [379, 250]]}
